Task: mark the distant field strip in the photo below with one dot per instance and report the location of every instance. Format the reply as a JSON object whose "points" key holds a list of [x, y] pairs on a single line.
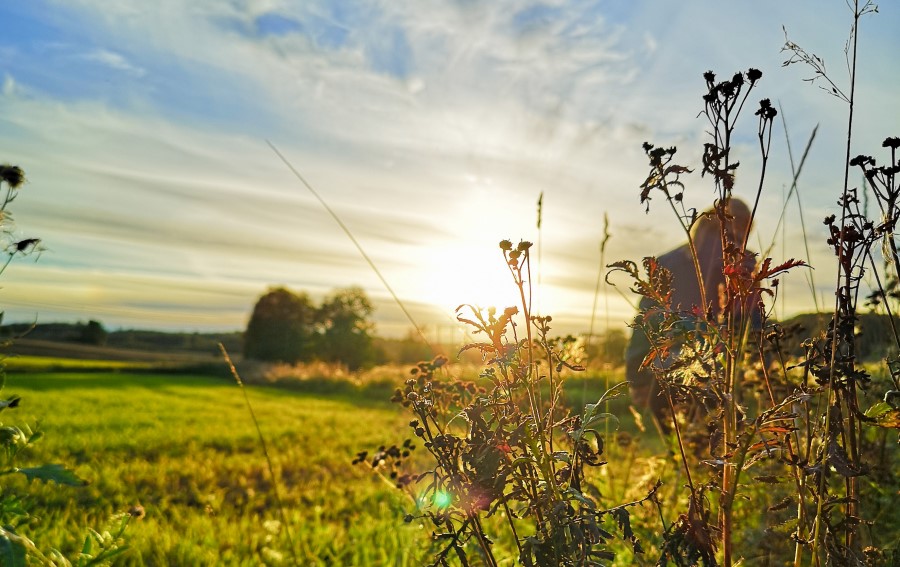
{"points": [[57, 364]]}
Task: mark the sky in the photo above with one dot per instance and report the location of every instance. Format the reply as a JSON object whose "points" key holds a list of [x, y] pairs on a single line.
{"points": [[430, 128]]}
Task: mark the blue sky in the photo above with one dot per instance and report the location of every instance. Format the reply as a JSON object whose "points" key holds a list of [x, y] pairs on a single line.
{"points": [[429, 127]]}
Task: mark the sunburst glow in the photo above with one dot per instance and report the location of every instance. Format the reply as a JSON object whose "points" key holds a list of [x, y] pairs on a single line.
{"points": [[471, 275]]}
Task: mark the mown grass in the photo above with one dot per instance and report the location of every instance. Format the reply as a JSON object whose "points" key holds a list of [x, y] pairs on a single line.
{"points": [[183, 447]]}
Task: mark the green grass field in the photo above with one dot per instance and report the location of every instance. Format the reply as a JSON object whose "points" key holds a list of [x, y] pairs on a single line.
{"points": [[185, 449]]}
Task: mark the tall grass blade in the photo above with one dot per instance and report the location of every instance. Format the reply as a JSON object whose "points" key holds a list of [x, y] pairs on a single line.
{"points": [[540, 263], [356, 243], [795, 191], [262, 442], [599, 279]]}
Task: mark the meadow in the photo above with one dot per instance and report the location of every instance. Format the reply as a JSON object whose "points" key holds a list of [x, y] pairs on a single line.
{"points": [[184, 448]]}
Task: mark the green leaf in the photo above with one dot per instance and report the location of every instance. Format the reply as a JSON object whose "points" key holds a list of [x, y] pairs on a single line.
{"points": [[580, 497], [521, 461], [12, 553], [592, 417], [562, 456], [878, 409], [55, 473], [11, 436], [107, 555], [884, 415]]}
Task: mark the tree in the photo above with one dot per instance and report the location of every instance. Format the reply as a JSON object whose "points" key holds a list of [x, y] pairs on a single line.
{"points": [[281, 328], [93, 333], [346, 330]]}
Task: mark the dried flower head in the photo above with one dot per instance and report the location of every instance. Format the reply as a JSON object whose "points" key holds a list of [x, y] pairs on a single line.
{"points": [[12, 175]]}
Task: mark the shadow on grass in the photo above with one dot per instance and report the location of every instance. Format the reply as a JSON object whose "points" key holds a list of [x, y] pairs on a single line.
{"points": [[372, 394], [55, 381]]}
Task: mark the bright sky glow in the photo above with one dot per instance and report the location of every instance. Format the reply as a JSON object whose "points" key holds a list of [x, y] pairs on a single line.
{"points": [[430, 127]]}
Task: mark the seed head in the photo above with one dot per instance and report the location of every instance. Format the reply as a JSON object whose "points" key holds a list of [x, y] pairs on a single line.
{"points": [[12, 174]]}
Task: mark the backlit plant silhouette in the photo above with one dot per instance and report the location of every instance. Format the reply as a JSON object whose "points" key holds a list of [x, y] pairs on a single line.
{"points": [[503, 446], [782, 454], [787, 436]]}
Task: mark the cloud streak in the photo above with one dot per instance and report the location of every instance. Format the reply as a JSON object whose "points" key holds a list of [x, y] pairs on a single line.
{"points": [[430, 127]]}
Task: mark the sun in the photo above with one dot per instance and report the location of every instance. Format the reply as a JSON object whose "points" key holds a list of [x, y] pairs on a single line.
{"points": [[471, 275]]}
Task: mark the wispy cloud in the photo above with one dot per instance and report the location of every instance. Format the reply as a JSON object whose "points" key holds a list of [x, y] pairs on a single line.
{"points": [[115, 61], [9, 85], [429, 126]]}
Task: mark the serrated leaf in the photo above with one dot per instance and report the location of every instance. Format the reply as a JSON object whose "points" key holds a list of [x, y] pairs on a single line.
{"points": [[55, 473], [784, 503], [884, 415], [768, 479], [838, 460], [878, 409]]}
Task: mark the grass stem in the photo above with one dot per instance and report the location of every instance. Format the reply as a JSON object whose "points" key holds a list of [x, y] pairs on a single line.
{"points": [[265, 449]]}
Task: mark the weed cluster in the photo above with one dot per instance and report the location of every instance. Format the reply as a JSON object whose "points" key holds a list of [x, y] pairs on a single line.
{"points": [[505, 450]]}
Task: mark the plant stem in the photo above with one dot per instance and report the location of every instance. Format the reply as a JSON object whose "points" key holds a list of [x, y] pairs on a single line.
{"points": [[820, 497]]}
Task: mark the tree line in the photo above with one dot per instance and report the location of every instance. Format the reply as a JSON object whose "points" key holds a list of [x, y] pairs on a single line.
{"points": [[286, 326]]}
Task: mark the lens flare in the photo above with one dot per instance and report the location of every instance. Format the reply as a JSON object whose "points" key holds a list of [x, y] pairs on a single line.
{"points": [[442, 499]]}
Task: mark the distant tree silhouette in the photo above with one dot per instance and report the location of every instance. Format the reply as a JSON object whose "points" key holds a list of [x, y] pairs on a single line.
{"points": [[282, 328], [346, 330], [93, 333]]}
